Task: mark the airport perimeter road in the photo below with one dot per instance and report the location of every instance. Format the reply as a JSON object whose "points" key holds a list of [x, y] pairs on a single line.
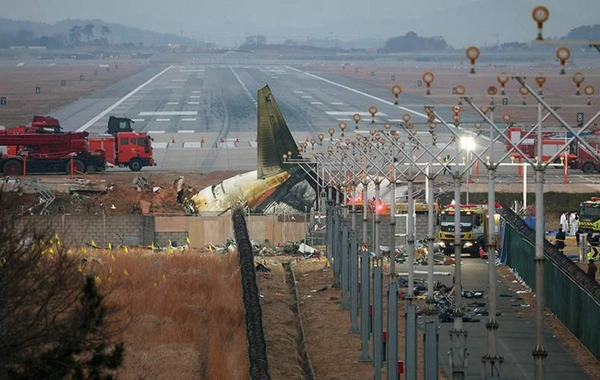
{"points": [[516, 335]]}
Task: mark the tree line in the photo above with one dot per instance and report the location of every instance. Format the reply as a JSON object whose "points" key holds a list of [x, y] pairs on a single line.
{"points": [[77, 35]]}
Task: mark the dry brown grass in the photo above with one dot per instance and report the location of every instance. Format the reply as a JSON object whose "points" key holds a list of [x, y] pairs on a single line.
{"points": [[182, 313], [18, 85]]}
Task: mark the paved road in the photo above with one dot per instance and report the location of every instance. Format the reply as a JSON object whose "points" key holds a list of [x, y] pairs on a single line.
{"points": [[516, 335]]}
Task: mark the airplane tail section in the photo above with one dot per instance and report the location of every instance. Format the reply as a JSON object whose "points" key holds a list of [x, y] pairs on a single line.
{"points": [[274, 137]]}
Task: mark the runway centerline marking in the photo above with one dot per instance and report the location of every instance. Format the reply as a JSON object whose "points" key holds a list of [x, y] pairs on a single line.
{"points": [[242, 83], [118, 103], [169, 113]]}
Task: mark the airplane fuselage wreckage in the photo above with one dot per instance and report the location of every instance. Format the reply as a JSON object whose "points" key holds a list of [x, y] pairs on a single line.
{"points": [[274, 188]]}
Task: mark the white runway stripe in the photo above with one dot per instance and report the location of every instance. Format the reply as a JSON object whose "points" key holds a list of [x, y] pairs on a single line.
{"points": [[172, 103], [186, 131], [193, 103], [350, 113], [189, 119], [163, 119], [118, 103], [138, 120], [156, 132], [169, 113]]}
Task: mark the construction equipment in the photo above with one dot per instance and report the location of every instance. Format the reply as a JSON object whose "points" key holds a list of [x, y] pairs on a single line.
{"points": [[589, 219], [473, 228]]}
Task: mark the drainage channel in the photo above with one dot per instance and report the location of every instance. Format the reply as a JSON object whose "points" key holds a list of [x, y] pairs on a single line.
{"points": [[304, 359]]}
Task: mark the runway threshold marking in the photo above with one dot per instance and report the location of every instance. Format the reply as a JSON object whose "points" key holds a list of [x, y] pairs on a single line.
{"points": [[118, 103]]}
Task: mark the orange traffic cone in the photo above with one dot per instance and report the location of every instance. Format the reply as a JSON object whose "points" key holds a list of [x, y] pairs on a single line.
{"points": [[172, 139], [237, 140]]}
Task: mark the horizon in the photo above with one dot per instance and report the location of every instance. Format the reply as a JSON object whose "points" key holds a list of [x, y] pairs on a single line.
{"points": [[229, 24]]}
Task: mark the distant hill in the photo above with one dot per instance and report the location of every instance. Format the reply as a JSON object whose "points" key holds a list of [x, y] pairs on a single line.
{"points": [[479, 22], [586, 32], [63, 33]]}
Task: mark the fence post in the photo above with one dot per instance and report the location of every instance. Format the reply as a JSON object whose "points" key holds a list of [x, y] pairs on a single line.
{"points": [[583, 247]]}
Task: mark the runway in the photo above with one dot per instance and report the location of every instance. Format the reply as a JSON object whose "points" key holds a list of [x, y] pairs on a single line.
{"points": [[203, 116]]}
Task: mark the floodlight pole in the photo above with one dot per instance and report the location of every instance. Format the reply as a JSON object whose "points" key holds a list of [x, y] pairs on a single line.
{"points": [[458, 336], [539, 352], [431, 361], [492, 361], [392, 323]]}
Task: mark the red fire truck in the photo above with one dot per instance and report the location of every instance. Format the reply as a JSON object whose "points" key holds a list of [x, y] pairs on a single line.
{"points": [[44, 148]]}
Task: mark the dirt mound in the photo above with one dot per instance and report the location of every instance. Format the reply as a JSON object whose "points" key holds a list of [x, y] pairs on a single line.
{"points": [[158, 196]]}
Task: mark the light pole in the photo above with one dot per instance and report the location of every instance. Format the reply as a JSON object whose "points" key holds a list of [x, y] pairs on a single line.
{"points": [[468, 143]]}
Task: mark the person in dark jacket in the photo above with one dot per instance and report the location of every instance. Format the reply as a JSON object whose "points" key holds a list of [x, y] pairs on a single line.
{"points": [[560, 240], [591, 272]]}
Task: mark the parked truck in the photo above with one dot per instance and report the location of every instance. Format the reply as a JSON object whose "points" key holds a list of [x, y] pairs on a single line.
{"points": [[589, 219], [122, 146], [44, 148], [586, 160], [552, 143], [48, 152], [473, 228]]}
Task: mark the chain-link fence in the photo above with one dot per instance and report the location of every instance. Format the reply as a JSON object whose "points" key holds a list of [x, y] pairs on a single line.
{"points": [[570, 294]]}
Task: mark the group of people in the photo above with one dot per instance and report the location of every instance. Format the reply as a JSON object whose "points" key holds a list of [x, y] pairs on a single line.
{"points": [[569, 225], [569, 222]]}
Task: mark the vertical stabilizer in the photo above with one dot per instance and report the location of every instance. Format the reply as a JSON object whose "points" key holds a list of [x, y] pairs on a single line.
{"points": [[273, 136]]}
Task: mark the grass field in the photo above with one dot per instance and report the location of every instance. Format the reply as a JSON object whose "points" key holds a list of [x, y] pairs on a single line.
{"points": [[181, 315], [18, 86]]}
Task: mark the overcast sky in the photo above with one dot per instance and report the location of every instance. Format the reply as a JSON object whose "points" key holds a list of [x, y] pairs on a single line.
{"points": [[231, 20]]}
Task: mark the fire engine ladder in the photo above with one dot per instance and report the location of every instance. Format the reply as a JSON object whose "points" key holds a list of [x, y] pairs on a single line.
{"points": [[46, 195]]}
